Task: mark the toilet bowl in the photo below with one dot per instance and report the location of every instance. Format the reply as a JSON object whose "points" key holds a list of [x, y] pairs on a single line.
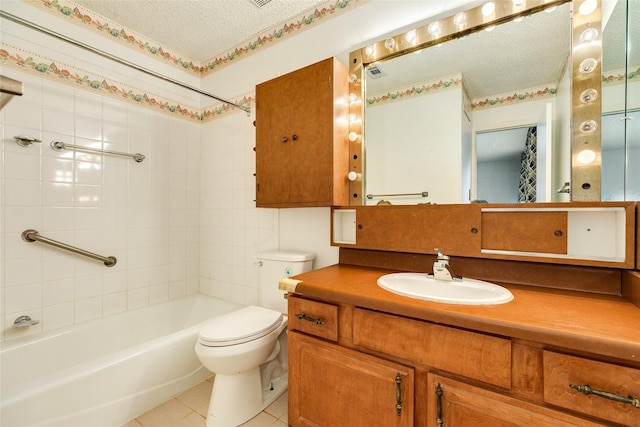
{"points": [[242, 349], [247, 348]]}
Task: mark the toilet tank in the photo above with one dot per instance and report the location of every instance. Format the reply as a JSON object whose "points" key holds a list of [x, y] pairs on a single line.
{"points": [[276, 265]]}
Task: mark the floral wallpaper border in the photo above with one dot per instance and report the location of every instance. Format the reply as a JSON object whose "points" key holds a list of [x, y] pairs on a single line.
{"points": [[82, 16], [28, 62], [456, 81], [423, 89]]}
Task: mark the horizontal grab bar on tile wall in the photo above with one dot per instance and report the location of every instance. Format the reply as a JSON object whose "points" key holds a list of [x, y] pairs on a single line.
{"points": [[33, 235], [422, 194], [60, 146]]}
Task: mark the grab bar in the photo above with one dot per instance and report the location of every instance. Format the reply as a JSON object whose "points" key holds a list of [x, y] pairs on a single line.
{"points": [[33, 235], [423, 194], [59, 146]]}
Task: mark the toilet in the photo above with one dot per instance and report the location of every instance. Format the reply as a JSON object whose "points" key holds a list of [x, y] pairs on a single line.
{"points": [[247, 348]]}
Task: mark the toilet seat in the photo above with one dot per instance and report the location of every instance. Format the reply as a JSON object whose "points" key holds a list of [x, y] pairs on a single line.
{"points": [[240, 326]]}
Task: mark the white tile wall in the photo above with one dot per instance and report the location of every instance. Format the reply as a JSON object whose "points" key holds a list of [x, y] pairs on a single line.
{"points": [[146, 214]]}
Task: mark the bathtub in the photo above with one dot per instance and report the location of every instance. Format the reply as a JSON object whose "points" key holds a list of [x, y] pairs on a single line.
{"points": [[105, 372]]}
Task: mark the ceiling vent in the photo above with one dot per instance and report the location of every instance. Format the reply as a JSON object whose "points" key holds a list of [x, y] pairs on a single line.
{"points": [[259, 3], [375, 72]]}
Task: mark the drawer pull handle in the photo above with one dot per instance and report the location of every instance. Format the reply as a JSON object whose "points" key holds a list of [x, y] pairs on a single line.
{"points": [[439, 420], [303, 316], [398, 393], [611, 396]]}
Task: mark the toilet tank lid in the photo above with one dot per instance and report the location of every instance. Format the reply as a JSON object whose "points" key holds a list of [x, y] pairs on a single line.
{"points": [[285, 255]]}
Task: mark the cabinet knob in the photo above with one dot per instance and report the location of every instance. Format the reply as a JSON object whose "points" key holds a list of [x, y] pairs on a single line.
{"points": [[285, 139], [294, 137]]}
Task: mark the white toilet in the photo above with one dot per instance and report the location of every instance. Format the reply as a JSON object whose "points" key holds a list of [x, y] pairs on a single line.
{"points": [[247, 348]]}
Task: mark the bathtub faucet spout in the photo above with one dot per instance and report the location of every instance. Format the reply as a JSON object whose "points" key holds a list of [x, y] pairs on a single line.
{"points": [[24, 322]]}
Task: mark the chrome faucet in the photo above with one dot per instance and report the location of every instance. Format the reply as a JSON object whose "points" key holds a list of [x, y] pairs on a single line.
{"points": [[442, 270]]}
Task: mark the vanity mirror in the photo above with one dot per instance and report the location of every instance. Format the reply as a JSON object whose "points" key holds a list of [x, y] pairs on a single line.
{"points": [[420, 99]]}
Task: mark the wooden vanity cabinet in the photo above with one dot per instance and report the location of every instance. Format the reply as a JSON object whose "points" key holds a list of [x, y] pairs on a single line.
{"points": [[301, 137], [348, 365]]}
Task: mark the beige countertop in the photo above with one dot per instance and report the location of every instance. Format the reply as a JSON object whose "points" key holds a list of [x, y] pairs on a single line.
{"points": [[601, 325]]}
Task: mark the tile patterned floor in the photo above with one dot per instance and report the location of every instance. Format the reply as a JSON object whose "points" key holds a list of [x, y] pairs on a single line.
{"points": [[189, 409]]}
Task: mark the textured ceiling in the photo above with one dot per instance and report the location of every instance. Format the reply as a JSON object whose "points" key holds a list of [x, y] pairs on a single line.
{"points": [[514, 56], [199, 29]]}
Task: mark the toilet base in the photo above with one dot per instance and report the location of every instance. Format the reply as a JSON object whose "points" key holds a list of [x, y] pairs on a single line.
{"points": [[236, 399]]}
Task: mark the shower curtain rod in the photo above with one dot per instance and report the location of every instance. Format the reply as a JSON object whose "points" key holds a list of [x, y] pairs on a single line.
{"points": [[41, 29]]}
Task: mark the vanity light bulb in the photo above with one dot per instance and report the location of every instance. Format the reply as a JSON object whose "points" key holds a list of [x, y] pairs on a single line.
{"points": [[389, 43], [588, 126], [460, 19], [368, 50], [488, 8], [588, 35], [353, 137], [588, 95], [588, 65], [433, 29], [517, 2], [353, 78], [587, 7], [410, 36], [353, 97], [353, 117], [586, 156], [353, 176]]}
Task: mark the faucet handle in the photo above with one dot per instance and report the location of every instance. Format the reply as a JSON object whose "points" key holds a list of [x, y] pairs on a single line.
{"points": [[441, 256]]}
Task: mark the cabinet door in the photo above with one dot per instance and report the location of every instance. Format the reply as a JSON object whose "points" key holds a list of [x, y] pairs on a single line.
{"points": [[331, 386], [456, 404], [294, 138]]}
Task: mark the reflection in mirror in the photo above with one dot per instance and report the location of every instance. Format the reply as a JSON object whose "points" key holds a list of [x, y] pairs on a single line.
{"points": [[621, 101], [424, 110], [511, 166]]}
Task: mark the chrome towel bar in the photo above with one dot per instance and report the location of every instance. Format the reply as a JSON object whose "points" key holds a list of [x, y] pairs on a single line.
{"points": [[422, 194], [60, 146], [33, 235]]}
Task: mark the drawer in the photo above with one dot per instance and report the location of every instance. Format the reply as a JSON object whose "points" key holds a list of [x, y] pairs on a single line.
{"points": [[474, 355], [313, 317], [561, 371]]}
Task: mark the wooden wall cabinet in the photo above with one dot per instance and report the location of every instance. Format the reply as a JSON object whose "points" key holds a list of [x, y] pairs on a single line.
{"points": [[350, 365], [598, 234], [302, 150]]}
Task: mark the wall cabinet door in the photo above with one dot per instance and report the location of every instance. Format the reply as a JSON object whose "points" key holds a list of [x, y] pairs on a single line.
{"points": [[301, 145], [334, 386], [453, 404]]}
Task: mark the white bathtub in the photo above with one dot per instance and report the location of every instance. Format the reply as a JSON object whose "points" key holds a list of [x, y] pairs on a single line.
{"points": [[105, 372]]}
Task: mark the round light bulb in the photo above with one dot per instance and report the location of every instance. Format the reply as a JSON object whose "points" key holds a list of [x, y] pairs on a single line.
{"points": [[410, 36], [389, 43], [488, 8], [353, 137], [353, 78], [368, 50], [460, 19], [588, 35], [433, 29], [517, 2], [588, 65], [588, 95], [353, 97], [587, 7], [586, 156], [353, 176], [353, 117], [588, 126]]}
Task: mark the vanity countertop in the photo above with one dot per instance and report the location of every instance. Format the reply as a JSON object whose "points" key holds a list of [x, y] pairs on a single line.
{"points": [[599, 324]]}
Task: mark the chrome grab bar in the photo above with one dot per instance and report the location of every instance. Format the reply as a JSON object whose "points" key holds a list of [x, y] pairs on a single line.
{"points": [[33, 235], [59, 146], [24, 322], [423, 194]]}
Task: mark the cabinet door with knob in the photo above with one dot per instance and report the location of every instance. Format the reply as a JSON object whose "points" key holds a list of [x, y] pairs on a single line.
{"points": [[301, 137], [331, 386]]}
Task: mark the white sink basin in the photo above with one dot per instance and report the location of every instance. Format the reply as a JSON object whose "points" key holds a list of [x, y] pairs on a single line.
{"points": [[467, 292]]}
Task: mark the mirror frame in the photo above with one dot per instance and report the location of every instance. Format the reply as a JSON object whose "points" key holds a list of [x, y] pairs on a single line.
{"points": [[585, 113]]}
